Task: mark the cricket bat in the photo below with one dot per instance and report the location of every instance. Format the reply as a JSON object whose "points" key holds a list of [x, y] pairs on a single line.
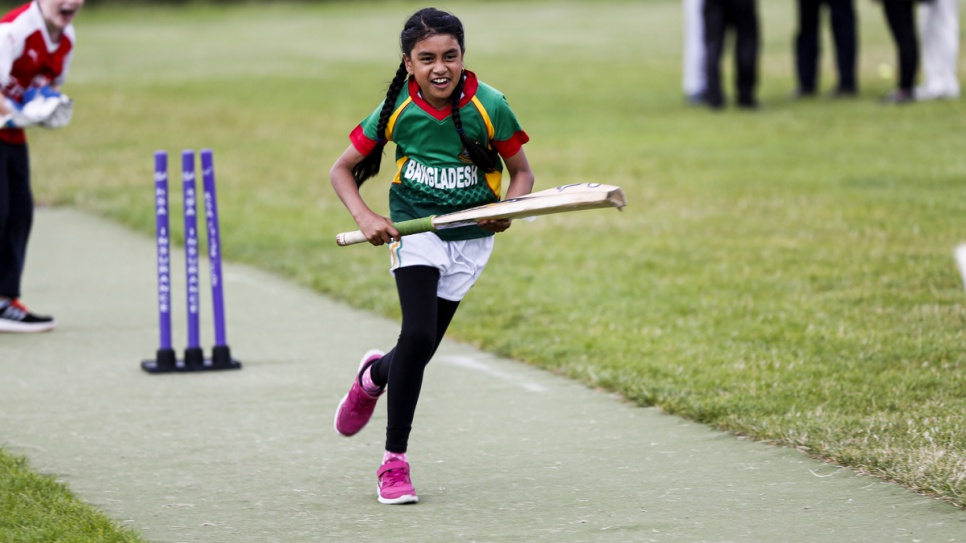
{"points": [[572, 197]]}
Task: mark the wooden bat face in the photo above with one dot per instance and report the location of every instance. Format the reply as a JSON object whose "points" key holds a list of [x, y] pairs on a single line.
{"points": [[573, 197]]}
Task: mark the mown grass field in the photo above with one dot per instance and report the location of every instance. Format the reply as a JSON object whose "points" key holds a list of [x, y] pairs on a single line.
{"points": [[786, 274]]}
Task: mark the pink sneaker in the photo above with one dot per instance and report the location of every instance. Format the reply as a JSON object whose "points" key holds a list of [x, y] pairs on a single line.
{"points": [[356, 407], [394, 484]]}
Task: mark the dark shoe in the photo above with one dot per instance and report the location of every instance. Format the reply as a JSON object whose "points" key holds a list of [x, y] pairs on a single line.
{"points": [[749, 104], [842, 93], [714, 99], [899, 96], [715, 104], [799, 94], [15, 317]]}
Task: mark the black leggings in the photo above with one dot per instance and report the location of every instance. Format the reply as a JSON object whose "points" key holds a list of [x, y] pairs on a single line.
{"points": [[425, 318], [16, 215]]}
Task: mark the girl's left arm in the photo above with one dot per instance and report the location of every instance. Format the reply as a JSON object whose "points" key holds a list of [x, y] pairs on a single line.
{"points": [[521, 183]]}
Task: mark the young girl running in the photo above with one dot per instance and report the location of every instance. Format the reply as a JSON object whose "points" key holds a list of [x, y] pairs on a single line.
{"points": [[451, 131]]}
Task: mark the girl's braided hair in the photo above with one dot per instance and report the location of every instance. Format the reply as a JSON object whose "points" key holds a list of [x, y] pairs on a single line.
{"points": [[423, 24]]}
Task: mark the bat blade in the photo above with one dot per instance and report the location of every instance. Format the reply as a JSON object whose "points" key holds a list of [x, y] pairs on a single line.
{"points": [[574, 197], [560, 199]]}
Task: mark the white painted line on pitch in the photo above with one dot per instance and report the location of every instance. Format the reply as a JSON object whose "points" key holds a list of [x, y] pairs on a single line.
{"points": [[471, 363], [961, 260]]}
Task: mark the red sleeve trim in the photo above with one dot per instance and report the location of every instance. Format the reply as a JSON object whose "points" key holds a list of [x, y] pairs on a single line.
{"points": [[512, 146], [361, 142], [10, 16]]}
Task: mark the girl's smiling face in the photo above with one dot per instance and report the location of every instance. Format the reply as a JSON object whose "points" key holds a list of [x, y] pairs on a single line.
{"points": [[437, 63], [60, 13]]}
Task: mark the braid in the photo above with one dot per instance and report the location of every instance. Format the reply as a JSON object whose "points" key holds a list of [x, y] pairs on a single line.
{"points": [[484, 157], [369, 166]]}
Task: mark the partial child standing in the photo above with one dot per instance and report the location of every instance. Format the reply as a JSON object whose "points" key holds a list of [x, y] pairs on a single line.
{"points": [[36, 47], [454, 134]]}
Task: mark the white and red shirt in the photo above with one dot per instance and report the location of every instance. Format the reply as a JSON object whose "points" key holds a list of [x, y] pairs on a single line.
{"points": [[29, 58]]}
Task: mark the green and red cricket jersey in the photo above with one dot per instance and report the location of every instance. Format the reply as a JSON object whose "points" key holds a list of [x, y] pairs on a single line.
{"points": [[434, 175]]}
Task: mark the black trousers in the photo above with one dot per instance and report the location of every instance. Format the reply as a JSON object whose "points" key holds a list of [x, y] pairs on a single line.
{"points": [[807, 43], [425, 318], [16, 215], [741, 16], [901, 16]]}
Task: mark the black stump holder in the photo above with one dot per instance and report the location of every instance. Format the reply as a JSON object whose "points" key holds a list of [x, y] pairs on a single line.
{"points": [[166, 361]]}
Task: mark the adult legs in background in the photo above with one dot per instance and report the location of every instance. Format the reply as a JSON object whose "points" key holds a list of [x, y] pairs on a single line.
{"points": [[807, 47], [844, 29], [742, 16], [714, 37], [900, 15], [745, 17]]}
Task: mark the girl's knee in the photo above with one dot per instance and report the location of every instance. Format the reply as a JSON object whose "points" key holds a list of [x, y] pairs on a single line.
{"points": [[419, 340]]}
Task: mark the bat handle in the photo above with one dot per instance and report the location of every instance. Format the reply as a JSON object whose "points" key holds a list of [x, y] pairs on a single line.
{"points": [[405, 228], [350, 238], [415, 226]]}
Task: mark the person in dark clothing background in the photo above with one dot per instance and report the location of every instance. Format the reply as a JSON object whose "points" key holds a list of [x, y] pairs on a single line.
{"points": [[740, 17], [808, 49], [901, 18]]}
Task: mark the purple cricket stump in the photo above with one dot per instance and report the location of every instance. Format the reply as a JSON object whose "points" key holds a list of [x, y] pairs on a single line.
{"points": [[165, 359], [221, 354], [193, 354]]}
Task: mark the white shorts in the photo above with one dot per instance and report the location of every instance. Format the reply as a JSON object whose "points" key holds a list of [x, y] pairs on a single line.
{"points": [[460, 263]]}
